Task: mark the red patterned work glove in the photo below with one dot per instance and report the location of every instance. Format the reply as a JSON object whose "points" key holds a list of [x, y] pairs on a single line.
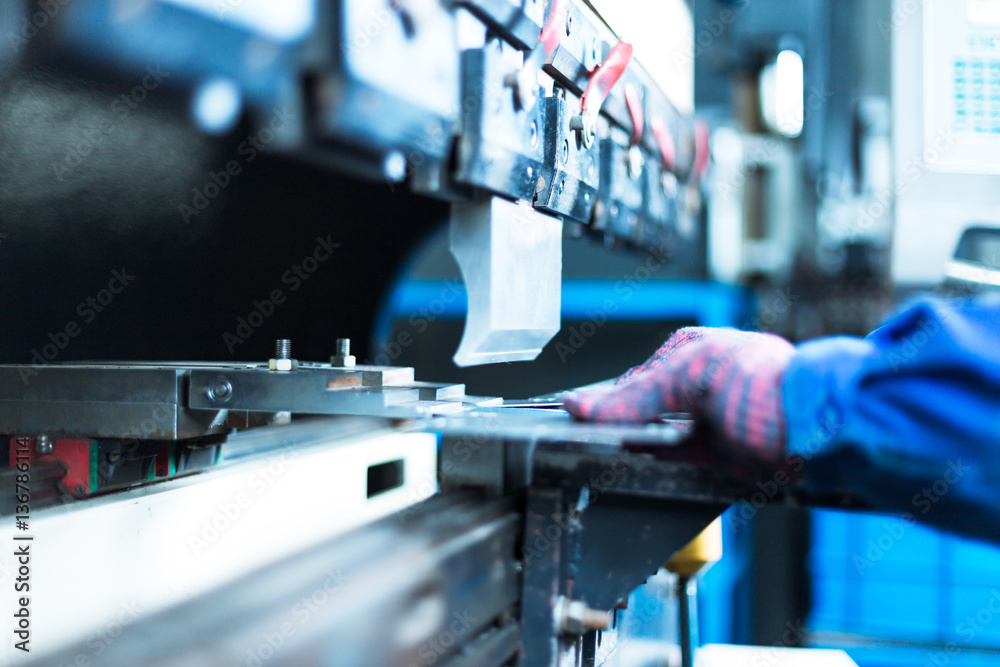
{"points": [[728, 378]]}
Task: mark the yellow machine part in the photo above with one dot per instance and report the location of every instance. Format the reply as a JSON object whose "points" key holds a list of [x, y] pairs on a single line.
{"points": [[701, 551]]}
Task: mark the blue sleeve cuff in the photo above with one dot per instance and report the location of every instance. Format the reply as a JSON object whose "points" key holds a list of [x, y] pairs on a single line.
{"points": [[817, 387]]}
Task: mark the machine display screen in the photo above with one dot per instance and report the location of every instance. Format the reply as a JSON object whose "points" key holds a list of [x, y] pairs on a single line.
{"points": [[962, 86]]}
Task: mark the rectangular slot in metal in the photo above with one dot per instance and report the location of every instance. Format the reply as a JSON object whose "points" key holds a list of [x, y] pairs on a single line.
{"points": [[385, 477]]}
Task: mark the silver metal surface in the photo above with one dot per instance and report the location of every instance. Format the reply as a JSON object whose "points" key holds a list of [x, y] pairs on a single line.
{"points": [[191, 400], [141, 401], [511, 260]]}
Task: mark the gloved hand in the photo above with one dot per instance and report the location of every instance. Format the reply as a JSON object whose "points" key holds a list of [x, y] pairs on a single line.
{"points": [[731, 379]]}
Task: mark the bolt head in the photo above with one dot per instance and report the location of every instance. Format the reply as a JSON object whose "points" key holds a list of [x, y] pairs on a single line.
{"points": [[280, 364], [220, 390], [44, 445]]}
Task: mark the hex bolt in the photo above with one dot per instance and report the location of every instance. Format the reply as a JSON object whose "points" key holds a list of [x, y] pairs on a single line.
{"points": [[574, 617], [343, 357], [282, 356], [44, 445]]}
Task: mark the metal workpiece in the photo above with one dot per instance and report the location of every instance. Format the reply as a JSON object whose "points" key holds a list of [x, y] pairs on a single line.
{"points": [[136, 401], [322, 389], [573, 170], [183, 401], [501, 145], [435, 583], [510, 256]]}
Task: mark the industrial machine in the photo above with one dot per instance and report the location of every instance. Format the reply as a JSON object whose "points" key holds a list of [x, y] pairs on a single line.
{"points": [[293, 511]]}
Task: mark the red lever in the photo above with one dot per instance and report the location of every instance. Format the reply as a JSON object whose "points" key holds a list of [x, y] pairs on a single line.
{"points": [[554, 28], [635, 111], [668, 151], [604, 78]]}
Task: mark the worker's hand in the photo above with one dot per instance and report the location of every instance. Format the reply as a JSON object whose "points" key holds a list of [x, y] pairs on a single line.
{"points": [[731, 379]]}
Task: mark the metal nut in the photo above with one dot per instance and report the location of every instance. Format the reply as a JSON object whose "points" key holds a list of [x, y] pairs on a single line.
{"points": [[279, 364], [343, 358], [576, 618]]}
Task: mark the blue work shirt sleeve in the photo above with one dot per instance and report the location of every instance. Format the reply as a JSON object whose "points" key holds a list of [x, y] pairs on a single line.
{"points": [[906, 420]]}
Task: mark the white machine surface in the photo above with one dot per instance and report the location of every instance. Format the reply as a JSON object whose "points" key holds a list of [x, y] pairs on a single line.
{"points": [[946, 131], [102, 566]]}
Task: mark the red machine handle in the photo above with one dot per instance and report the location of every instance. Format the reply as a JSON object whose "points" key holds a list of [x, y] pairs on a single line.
{"points": [[604, 78]]}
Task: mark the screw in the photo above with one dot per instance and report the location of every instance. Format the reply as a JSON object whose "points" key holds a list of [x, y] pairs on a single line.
{"points": [[220, 390], [282, 356], [343, 357], [569, 24], [43, 445]]}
